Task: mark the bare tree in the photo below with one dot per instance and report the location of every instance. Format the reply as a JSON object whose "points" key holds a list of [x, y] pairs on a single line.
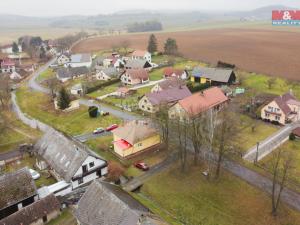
{"points": [[280, 168], [182, 127], [5, 88], [225, 136], [162, 120], [125, 44], [53, 85]]}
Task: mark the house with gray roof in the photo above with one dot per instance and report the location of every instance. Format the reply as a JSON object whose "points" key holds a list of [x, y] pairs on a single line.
{"points": [[107, 73], [214, 76], [80, 60], [64, 74], [17, 190], [107, 204], [138, 64], [70, 161], [39, 212]]}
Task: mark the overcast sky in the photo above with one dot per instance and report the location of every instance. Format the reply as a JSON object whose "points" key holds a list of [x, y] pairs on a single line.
{"points": [[93, 7]]}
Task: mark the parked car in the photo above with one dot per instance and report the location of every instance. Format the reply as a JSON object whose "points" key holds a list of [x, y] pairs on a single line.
{"points": [[99, 130], [34, 174], [112, 127], [142, 166]]}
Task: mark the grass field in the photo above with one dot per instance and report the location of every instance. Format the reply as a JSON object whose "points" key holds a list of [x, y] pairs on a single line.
{"points": [[39, 106], [104, 91], [16, 133], [292, 147], [49, 73], [65, 218], [191, 199]]}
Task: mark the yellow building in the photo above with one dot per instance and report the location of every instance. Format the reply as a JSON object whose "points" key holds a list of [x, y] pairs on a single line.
{"points": [[134, 137]]}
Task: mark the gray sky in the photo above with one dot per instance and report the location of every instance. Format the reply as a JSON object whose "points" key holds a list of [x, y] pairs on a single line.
{"points": [[93, 7]]}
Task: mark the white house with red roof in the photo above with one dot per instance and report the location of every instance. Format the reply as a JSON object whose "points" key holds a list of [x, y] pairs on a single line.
{"points": [[8, 66], [283, 109], [140, 54], [135, 76], [171, 72]]}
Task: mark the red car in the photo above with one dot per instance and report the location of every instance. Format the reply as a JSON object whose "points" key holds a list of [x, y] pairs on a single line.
{"points": [[142, 166], [111, 127]]}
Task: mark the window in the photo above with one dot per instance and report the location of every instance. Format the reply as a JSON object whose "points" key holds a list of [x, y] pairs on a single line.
{"points": [[267, 115], [84, 169], [277, 117], [80, 180], [148, 108], [92, 164], [143, 106], [140, 144]]}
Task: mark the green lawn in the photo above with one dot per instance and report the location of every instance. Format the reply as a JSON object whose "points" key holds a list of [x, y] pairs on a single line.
{"points": [[29, 162], [292, 147], [258, 82], [17, 133], [193, 200], [156, 74], [39, 106], [104, 91], [47, 74], [248, 138], [65, 218]]}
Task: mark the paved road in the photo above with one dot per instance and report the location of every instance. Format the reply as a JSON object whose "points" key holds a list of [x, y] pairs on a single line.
{"points": [[271, 143], [85, 137], [32, 81]]}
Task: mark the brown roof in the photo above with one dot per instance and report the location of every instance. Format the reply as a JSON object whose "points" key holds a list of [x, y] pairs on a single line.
{"points": [[139, 53], [138, 74], [168, 96], [297, 131], [15, 187], [135, 131], [172, 82], [169, 71], [281, 101], [33, 212], [203, 100]]}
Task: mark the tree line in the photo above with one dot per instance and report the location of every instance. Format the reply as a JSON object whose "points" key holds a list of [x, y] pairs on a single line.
{"points": [[145, 26], [170, 46]]}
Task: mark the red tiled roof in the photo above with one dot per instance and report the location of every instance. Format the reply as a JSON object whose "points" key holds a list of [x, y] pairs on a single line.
{"points": [[139, 53], [203, 101], [123, 144], [7, 62], [281, 101], [138, 74], [169, 71]]}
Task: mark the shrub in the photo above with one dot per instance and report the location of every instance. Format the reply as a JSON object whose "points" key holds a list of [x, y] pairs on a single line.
{"points": [[93, 111], [115, 171], [292, 137]]}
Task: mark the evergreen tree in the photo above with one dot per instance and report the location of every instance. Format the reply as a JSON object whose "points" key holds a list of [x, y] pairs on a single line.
{"points": [[152, 44], [15, 48], [171, 47], [64, 100]]}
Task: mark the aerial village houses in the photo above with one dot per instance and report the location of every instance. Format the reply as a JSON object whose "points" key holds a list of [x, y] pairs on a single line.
{"points": [[134, 137], [108, 204], [211, 98], [171, 72], [113, 61], [37, 213], [139, 54], [283, 109], [80, 60], [8, 49], [107, 74], [213, 76], [152, 102], [8, 66], [69, 161], [135, 76], [17, 190], [138, 64], [63, 59], [172, 82]]}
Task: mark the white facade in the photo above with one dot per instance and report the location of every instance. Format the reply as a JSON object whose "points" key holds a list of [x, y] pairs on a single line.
{"points": [[62, 60], [9, 49], [146, 56]]}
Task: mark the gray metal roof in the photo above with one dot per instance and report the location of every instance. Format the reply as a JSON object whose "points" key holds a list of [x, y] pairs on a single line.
{"points": [[215, 74], [72, 71], [137, 64], [61, 153], [81, 58], [108, 204]]}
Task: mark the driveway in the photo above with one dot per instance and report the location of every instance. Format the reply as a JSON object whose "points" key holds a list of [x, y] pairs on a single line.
{"points": [[85, 137]]}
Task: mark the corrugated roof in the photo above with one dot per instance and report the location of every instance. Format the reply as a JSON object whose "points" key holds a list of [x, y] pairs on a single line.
{"points": [[15, 187], [33, 212], [215, 74], [167, 96], [135, 131], [203, 101], [108, 204]]}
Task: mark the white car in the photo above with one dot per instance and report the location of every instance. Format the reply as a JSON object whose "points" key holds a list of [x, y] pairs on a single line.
{"points": [[35, 175], [98, 130]]}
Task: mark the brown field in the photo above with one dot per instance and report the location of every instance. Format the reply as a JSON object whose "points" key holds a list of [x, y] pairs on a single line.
{"points": [[269, 52]]}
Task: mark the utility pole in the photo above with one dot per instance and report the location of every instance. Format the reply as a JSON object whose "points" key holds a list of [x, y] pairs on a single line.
{"points": [[256, 157]]}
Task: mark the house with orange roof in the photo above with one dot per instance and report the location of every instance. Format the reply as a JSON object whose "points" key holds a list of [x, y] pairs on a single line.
{"points": [[135, 76], [141, 54], [192, 106], [171, 72]]}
